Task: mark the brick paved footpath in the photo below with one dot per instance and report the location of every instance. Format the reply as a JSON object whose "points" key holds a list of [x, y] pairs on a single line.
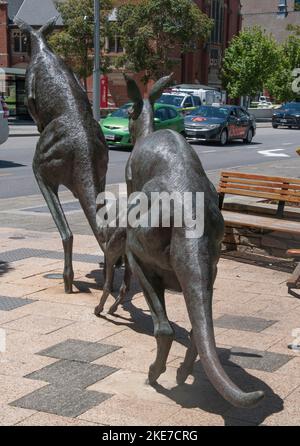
{"points": [[64, 366]]}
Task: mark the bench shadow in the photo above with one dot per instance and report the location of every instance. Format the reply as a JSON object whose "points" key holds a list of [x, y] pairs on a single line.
{"points": [[202, 395]]}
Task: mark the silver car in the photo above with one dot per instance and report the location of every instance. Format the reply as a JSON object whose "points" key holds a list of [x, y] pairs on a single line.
{"points": [[4, 129]]}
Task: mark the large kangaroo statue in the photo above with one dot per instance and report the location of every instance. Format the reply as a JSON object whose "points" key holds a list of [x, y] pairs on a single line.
{"points": [[71, 150], [164, 258]]}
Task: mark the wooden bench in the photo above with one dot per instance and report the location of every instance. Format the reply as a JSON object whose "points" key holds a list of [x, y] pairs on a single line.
{"points": [[275, 189]]}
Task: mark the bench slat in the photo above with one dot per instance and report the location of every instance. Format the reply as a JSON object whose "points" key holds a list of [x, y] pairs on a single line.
{"points": [[257, 221], [226, 174], [283, 195], [259, 195], [245, 181], [293, 252], [258, 188]]}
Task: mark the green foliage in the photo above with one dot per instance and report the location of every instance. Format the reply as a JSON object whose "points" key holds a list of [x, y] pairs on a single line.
{"points": [[75, 42], [294, 28], [251, 58], [280, 82], [152, 29]]}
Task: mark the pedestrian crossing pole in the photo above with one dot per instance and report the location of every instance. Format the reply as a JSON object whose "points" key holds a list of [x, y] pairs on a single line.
{"points": [[96, 73]]}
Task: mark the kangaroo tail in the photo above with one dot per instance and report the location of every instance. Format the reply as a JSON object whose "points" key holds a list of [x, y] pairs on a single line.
{"points": [[195, 272]]}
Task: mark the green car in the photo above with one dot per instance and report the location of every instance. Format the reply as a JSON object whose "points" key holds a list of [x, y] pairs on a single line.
{"points": [[115, 126]]}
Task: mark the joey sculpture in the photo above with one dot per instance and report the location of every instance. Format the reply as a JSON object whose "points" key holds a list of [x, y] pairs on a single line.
{"points": [[71, 150], [164, 258]]}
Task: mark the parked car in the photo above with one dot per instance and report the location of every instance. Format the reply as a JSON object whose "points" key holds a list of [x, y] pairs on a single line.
{"points": [[115, 125], [4, 114], [220, 123], [184, 102], [288, 115]]}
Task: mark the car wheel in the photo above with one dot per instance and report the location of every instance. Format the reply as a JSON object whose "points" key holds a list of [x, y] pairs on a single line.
{"points": [[275, 126], [249, 137], [224, 138]]}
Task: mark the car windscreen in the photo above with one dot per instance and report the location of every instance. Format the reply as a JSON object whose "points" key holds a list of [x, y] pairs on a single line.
{"points": [[171, 99], [291, 106], [211, 112], [121, 112]]}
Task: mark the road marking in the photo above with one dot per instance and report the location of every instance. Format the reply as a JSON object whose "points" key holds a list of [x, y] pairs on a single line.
{"points": [[271, 152], [287, 144], [5, 174], [209, 151]]}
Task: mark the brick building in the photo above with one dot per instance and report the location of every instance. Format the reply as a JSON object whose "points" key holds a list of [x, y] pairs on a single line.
{"points": [[272, 15], [202, 66], [13, 46]]}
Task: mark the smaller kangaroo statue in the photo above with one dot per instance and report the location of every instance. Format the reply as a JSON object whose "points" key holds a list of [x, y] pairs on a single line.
{"points": [[71, 150], [167, 257]]}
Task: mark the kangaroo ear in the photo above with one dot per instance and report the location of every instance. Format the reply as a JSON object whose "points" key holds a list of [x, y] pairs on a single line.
{"points": [[135, 95], [24, 27], [48, 28], [158, 88]]}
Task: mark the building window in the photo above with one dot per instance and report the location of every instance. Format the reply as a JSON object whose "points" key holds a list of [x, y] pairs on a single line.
{"points": [[297, 5], [113, 45], [217, 14], [19, 42]]}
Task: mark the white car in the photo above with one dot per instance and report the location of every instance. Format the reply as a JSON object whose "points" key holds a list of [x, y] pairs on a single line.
{"points": [[4, 129]]}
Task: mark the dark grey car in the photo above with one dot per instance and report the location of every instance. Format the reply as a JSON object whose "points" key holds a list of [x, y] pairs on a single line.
{"points": [[220, 123], [288, 115]]}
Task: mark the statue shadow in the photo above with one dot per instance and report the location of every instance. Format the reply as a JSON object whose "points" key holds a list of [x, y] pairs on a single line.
{"points": [[4, 267], [202, 395]]}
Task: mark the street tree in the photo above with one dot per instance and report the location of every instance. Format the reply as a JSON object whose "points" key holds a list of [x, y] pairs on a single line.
{"points": [[75, 42], [152, 30], [280, 82], [250, 59]]}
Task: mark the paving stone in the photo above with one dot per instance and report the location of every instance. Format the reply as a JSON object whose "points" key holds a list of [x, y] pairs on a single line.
{"points": [[66, 401], [10, 303], [77, 350], [243, 323], [66, 373], [254, 359], [26, 253]]}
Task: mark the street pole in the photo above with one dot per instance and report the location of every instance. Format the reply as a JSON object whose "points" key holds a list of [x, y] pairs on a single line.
{"points": [[96, 73]]}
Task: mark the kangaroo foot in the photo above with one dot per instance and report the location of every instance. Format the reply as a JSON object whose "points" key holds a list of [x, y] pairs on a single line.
{"points": [[154, 373], [117, 302], [182, 374], [68, 281], [98, 310], [113, 308]]}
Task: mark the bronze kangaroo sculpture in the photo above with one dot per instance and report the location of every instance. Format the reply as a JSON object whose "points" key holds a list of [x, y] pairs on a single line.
{"points": [[71, 150], [164, 257]]}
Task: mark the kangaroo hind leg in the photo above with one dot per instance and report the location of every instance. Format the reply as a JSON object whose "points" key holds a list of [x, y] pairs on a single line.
{"points": [[154, 293]]}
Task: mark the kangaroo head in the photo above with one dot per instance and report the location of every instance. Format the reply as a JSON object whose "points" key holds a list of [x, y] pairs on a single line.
{"points": [[141, 114], [36, 38]]}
